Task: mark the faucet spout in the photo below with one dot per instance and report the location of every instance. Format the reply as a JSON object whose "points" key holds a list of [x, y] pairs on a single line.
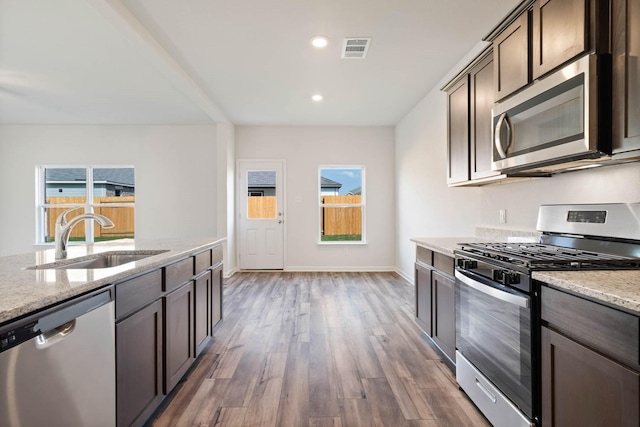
{"points": [[63, 228]]}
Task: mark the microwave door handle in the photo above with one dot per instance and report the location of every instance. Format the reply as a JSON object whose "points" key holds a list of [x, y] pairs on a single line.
{"points": [[494, 292], [496, 137]]}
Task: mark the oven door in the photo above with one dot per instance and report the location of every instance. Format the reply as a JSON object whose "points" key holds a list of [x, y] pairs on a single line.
{"points": [[494, 333]]}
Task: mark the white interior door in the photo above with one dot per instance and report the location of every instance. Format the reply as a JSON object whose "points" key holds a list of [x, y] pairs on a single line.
{"points": [[261, 215]]}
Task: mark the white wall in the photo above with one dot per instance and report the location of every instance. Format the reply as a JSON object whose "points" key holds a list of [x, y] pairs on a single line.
{"points": [[176, 181], [226, 192], [425, 206], [611, 184], [306, 148]]}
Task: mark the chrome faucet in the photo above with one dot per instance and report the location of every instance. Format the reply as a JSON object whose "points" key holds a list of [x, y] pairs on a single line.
{"points": [[63, 228]]}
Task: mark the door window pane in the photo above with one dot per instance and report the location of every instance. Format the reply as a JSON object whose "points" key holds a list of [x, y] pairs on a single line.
{"points": [[261, 194]]}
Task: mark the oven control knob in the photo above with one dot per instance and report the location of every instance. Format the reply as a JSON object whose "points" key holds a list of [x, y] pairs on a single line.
{"points": [[506, 277], [467, 264], [509, 278]]}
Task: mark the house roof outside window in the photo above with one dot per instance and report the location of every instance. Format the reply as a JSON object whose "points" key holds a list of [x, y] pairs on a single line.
{"points": [[117, 176]]}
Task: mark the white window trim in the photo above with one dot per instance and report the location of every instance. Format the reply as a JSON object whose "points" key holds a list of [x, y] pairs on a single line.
{"points": [[362, 204], [89, 206]]}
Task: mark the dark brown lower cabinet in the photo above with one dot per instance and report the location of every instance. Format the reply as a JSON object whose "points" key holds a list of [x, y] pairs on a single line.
{"points": [[423, 298], [216, 296], [444, 315], [178, 334], [139, 365], [581, 387], [202, 311]]}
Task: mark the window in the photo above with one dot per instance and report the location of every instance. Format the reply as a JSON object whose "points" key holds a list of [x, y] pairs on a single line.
{"points": [[109, 191], [342, 204]]}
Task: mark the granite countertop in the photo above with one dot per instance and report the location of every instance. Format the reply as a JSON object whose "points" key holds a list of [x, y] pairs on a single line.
{"points": [[619, 288], [23, 291], [445, 245]]}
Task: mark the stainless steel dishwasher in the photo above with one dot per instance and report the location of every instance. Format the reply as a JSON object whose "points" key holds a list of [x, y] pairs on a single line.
{"points": [[57, 367]]}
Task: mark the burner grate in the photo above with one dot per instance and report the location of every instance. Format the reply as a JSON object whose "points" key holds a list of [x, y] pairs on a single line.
{"points": [[541, 256]]}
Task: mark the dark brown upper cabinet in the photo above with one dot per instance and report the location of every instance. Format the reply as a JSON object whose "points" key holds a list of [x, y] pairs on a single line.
{"points": [[511, 57], [458, 131], [558, 33], [481, 101], [543, 35], [625, 45], [470, 98]]}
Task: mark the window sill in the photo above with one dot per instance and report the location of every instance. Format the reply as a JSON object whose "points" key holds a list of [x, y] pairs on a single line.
{"points": [[343, 242]]}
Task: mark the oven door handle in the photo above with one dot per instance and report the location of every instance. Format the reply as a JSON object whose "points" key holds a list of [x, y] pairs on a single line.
{"points": [[494, 292]]}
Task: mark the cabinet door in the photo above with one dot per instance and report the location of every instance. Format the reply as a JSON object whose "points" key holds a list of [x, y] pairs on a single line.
{"points": [[423, 298], [139, 365], [583, 388], [482, 100], [178, 329], [202, 311], [626, 75], [559, 33], [458, 132], [444, 315], [216, 296], [511, 57]]}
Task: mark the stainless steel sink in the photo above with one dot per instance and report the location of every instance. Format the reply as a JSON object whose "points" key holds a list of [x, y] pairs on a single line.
{"points": [[103, 260]]}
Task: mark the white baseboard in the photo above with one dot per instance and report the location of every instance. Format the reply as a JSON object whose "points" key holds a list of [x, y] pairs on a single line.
{"points": [[329, 269], [406, 277]]}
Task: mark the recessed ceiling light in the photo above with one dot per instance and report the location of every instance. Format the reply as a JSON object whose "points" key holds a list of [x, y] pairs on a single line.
{"points": [[317, 97], [319, 41]]}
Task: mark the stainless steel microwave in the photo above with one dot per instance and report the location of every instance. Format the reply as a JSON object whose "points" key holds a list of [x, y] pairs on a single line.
{"points": [[560, 122]]}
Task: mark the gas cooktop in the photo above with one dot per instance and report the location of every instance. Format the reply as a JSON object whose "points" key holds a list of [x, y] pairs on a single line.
{"points": [[538, 256]]}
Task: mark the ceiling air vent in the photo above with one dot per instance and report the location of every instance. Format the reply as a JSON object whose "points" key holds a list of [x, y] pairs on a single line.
{"points": [[355, 47]]}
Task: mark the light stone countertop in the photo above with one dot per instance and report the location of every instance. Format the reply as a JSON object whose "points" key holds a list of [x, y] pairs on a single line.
{"points": [[618, 288], [445, 245], [24, 291]]}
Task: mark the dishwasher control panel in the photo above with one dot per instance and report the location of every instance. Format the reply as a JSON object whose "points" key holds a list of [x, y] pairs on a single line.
{"points": [[17, 335]]}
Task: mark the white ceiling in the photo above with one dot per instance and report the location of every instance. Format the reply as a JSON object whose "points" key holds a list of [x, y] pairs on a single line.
{"points": [[243, 61]]}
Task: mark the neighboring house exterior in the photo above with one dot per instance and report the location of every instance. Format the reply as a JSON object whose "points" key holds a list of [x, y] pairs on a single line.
{"points": [[329, 187], [263, 183], [71, 182], [355, 192]]}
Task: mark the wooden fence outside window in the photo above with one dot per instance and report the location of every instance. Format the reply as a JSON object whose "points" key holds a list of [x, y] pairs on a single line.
{"points": [[122, 217], [335, 221]]}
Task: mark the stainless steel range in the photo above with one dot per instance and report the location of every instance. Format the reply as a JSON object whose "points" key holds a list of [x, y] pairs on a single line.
{"points": [[498, 307]]}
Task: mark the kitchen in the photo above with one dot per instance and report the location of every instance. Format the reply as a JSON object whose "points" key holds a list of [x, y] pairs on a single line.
{"points": [[408, 166]]}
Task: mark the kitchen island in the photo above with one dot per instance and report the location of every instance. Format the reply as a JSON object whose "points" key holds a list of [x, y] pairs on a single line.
{"points": [[162, 304], [23, 290]]}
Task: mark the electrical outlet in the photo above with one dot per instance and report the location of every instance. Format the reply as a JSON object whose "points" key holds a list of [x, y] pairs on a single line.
{"points": [[503, 216]]}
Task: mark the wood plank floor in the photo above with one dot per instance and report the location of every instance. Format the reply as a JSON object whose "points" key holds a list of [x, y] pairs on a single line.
{"points": [[318, 349]]}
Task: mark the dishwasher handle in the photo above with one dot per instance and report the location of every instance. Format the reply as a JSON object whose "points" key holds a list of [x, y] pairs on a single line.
{"points": [[56, 320], [55, 335]]}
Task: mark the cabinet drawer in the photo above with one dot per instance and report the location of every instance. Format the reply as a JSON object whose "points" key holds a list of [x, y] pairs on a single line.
{"points": [[424, 255], [216, 255], [203, 261], [610, 331], [178, 273], [137, 292], [444, 263]]}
